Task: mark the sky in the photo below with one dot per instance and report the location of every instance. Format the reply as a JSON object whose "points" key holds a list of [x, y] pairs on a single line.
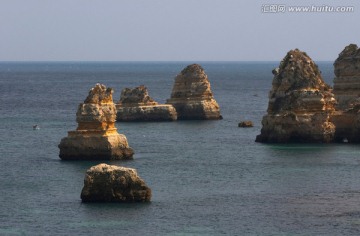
{"points": [[172, 30]]}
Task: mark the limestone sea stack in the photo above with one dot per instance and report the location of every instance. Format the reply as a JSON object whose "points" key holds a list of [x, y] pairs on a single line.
{"points": [[192, 97], [300, 103], [109, 183], [136, 105], [347, 94], [347, 80], [96, 137]]}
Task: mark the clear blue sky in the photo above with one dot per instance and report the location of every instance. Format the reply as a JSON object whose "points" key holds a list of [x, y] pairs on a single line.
{"points": [[170, 30]]}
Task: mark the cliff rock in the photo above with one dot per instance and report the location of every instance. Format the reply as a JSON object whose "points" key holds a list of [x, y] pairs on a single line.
{"points": [[96, 137], [347, 80], [192, 97], [300, 103], [347, 123], [136, 105], [109, 183]]}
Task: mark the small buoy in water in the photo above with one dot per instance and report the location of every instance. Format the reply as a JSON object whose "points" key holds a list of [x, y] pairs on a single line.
{"points": [[36, 127]]}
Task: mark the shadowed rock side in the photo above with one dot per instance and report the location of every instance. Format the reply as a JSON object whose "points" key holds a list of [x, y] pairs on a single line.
{"points": [[347, 94], [136, 105], [347, 124], [347, 80], [109, 183], [192, 97], [96, 137], [300, 103]]}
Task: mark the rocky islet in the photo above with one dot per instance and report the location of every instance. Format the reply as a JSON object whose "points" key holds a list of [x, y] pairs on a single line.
{"points": [[96, 137], [110, 183], [192, 96], [302, 108], [135, 104], [300, 103]]}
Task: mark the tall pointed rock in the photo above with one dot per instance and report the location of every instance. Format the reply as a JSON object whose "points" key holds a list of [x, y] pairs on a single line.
{"points": [[300, 103], [192, 97]]}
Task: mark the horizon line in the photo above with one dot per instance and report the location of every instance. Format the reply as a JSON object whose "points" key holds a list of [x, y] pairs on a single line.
{"points": [[138, 61]]}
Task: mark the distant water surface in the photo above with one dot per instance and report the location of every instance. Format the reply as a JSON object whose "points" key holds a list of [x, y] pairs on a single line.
{"points": [[207, 177]]}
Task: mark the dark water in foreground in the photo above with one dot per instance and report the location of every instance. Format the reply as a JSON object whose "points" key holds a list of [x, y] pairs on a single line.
{"points": [[207, 177]]}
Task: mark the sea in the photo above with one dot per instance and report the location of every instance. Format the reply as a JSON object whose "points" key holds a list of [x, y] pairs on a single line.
{"points": [[207, 177]]}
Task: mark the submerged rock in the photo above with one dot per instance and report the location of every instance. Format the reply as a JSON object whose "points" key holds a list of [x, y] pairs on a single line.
{"points": [[347, 80], [192, 97], [246, 124], [96, 137], [109, 183], [300, 103], [136, 105]]}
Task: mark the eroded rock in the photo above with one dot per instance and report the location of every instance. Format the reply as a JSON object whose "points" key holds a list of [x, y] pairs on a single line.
{"points": [[192, 97], [96, 137], [300, 103], [136, 105], [246, 124], [109, 183], [347, 80]]}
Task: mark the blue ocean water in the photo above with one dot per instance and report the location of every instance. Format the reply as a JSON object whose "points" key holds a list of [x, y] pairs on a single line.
{"points": [[207, 177]]}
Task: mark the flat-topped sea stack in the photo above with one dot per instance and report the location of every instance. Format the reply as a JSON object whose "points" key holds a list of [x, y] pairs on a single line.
{"points": [[300, 104], [96, 137], [109, 183], [192, 97], [347, 80], [136, 105]]}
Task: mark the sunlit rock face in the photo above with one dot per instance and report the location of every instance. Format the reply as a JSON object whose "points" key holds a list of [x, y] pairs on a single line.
{"points": [[300, 103], [192, 97], [96, 137], [347, 77], [135, 104], [109, 183]]}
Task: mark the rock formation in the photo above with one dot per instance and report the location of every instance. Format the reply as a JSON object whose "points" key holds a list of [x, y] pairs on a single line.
{"points": [[192, 97], [96, 137], [347, 124], [109, 183], [347, 80], [300, 103], [136, 105], [246, 124], [347, 94]]}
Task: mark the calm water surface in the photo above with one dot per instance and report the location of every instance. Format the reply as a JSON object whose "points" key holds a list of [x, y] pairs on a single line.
{"points": [[207, 177]]}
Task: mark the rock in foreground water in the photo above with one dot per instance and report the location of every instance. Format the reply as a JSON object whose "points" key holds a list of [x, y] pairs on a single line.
{"points": [[96, 137], [109, 183]]}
